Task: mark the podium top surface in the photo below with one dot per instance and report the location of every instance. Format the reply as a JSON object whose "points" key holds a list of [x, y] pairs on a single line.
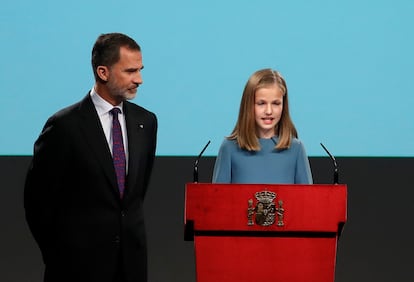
{"points": [[266, 207]]}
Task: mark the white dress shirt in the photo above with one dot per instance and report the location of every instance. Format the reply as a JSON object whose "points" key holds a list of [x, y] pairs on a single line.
{"points": [[102, 108]]}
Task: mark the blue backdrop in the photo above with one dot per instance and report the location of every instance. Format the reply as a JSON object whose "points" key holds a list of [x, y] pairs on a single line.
{"points": [[348, 65]]}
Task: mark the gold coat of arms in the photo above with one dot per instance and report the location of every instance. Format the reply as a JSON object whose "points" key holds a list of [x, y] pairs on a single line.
{"points": [[265, 211]]}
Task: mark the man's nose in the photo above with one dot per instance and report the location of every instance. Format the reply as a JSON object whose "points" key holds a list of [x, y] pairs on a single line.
{"points": [[138, 79]]}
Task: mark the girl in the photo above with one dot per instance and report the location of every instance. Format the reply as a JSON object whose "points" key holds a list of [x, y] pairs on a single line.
{"points": [[264, 145]]}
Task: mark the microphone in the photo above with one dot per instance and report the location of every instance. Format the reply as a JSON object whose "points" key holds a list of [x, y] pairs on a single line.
{"points": [[195, 173], [334, 163]]}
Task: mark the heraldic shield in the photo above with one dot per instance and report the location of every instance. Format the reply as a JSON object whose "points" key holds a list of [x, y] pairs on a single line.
{"points": [[265, 212]]}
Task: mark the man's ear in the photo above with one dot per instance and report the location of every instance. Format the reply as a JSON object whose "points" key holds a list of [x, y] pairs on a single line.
{"points": [[103, 72]]}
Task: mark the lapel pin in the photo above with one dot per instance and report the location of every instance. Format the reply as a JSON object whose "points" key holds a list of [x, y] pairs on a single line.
{"points": [[141, 126]]}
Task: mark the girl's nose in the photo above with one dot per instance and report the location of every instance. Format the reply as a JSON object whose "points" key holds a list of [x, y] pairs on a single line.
{"points": [[269, 109]]}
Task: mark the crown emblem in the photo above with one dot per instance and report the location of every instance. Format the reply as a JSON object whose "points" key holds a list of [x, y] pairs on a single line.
{"points": [[266, 197]]}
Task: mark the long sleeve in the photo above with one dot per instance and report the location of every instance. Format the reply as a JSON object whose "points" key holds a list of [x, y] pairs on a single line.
{"points": [[222, 166], [41, 186], [303, 174]]}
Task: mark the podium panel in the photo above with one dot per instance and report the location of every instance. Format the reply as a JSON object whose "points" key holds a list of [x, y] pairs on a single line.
{"points": [[230, 259], [258, 232]]}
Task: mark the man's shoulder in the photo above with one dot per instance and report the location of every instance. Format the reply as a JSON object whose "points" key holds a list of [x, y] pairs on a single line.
{"points": [[137, 109], [67, 110], [72, 110]]}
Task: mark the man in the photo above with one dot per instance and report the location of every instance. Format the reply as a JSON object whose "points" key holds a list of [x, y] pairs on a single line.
{"points": [[91, 167]]}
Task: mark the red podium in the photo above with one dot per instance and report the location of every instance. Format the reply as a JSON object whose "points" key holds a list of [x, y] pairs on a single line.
{"points": [[259, 232]]}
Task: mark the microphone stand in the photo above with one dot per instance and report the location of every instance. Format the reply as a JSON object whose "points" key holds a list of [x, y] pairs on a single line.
{"points": [[336, 169], [195, 172]]}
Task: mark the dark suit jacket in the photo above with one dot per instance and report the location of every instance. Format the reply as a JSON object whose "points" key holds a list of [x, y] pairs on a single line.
{"points": [[84, 230]]}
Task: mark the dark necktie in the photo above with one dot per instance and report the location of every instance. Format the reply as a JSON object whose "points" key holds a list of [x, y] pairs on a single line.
{"points": [[118, 153]]}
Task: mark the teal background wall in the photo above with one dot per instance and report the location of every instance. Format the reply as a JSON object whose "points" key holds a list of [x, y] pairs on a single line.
{"points": [[348, 65]]}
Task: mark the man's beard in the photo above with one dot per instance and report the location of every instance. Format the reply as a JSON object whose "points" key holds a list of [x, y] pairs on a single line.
{"points": [[125, 94]]}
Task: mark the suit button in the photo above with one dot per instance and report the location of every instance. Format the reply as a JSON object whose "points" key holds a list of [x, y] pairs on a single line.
{"points": [[117, 239], [123, 213]]}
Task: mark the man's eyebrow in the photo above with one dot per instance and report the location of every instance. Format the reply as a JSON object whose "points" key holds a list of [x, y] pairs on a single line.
{"points": [[135, 69]]}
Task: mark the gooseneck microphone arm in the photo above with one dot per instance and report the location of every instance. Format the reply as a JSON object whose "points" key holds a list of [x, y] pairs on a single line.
{"points": [[195, 173], [336, 169]]}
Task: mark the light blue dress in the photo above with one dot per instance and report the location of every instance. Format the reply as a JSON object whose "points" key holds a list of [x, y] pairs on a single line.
{"points": [[267, 166]]}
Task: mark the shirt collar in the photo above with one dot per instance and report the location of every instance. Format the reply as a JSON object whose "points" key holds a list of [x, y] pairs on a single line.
{"points": [[101, 105]]}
